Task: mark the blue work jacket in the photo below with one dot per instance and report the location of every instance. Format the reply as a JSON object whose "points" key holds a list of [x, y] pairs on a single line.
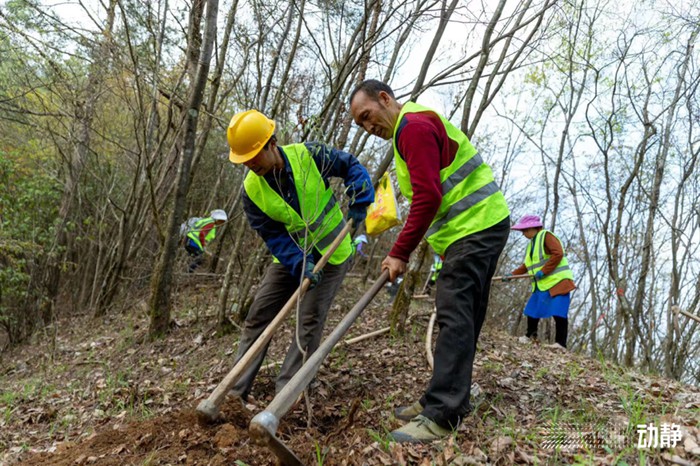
{"points": [[331, 162]]}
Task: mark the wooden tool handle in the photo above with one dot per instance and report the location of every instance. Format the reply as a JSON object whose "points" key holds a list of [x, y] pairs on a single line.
{"points": [[279, 406], [509, 277], [208, 409]]}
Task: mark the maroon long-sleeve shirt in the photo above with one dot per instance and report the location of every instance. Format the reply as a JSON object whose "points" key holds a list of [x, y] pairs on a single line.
{"points": [[423, 143]]}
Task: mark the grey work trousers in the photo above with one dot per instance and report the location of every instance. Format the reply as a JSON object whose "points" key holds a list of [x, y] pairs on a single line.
{"points": [[277, 287], [461, 300]]}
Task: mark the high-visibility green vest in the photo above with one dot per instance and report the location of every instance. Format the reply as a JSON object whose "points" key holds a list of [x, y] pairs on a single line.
{"points": [[193, 234], [321, 219], [436, 271], [536, 257], [471, 198]]}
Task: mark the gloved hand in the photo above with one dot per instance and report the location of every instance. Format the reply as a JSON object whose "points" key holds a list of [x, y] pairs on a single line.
{"points": [[506, 277], [357, 214], [314, 277], [539, 275]]}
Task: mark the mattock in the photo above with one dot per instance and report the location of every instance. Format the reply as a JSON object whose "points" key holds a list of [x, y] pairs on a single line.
{"points": [[263, 427], [208, 410]]}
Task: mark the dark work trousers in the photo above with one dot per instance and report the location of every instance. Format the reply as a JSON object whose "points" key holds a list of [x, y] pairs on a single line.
{"points": [[461, 300], [275, 290], [562, 329], [197, 256]]}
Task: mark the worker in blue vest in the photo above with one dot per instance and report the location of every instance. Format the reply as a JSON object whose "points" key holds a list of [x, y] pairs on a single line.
{"points": [[458, 207], [289, 202], [198, 233]]}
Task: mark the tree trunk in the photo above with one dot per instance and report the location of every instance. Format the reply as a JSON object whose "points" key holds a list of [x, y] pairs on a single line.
{"points": [[223, 324], [251, 273], [404, 296], [160, 303]]}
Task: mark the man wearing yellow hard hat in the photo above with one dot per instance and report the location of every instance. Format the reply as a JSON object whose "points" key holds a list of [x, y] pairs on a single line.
{"points": [[290, 204]]}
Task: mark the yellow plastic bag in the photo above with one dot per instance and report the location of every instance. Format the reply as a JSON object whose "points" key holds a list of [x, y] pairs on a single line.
{"points": [[383, 213]]}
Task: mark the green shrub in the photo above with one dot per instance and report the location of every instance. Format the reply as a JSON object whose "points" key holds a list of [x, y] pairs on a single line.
{"points": [[27, 209]]}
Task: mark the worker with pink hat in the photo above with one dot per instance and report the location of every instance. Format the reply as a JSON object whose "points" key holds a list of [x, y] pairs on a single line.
{"points": [[526, 222], [551, 277]]}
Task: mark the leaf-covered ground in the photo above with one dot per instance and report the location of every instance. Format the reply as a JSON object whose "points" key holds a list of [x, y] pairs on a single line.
{"points": [[97, 392]]}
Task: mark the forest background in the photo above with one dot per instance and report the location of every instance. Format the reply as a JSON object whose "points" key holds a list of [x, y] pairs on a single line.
{"points": [[112, 132]]}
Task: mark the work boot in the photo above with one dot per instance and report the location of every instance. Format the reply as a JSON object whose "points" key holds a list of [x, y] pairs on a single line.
{"points": [[406, 413], [420, 429]]}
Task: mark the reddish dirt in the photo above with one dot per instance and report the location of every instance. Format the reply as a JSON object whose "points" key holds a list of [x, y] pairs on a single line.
{"points": [[174, 438]]}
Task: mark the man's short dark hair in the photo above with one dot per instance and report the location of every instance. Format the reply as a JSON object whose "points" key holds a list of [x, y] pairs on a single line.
{"points": [[273, 138], [372, 88]]}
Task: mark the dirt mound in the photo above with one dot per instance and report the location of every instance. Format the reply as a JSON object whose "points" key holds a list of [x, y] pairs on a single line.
{"points": [[174, 438]]}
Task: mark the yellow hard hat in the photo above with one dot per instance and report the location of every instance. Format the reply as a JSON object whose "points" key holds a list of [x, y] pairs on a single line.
{"points": [[247, 134]]}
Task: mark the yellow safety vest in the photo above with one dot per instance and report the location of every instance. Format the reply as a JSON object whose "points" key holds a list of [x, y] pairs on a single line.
{"points": [[471, 199], [321, 219], [536, 257], [193, 234]]}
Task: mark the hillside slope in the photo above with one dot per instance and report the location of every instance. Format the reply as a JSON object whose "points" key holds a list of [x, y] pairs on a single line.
{"points": [[101, 394]]}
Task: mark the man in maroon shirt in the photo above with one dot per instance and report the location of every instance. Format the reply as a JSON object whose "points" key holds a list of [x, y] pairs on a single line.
{"points": [[458, 207], [419, 134]]}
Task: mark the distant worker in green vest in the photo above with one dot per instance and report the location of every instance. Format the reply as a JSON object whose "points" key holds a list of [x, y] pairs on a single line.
{"points": [[458, 207], [198, 233], [359, 242], [552, 279], [288, 201], [435, 269]]}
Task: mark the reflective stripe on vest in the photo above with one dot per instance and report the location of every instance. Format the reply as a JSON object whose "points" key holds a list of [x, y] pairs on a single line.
{"points": [[193, 234], [321, 219], [536, 257], [471, 199]]}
